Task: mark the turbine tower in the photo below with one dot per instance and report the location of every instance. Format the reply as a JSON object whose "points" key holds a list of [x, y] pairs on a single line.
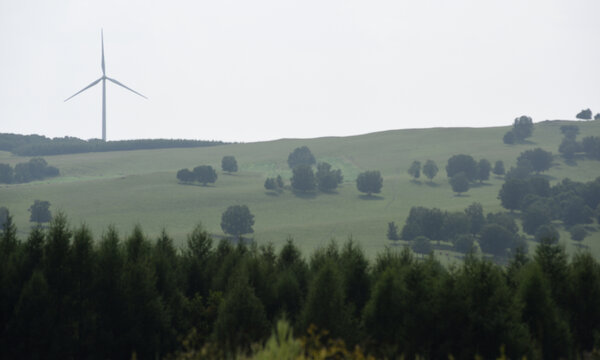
{"points": [[103, 79]]}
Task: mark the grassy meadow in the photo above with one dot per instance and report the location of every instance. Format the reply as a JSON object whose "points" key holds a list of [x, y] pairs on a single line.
{"points": [[140, 187]]}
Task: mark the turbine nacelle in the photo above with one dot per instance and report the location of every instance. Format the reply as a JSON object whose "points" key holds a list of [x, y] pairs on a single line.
{"points": [[103, 79]]}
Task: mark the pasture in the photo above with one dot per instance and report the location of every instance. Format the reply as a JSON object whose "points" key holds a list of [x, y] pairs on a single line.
{"points": [[140, 187]]}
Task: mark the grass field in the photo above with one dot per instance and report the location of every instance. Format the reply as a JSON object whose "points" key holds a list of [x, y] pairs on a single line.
{"points": [[139, 187]]}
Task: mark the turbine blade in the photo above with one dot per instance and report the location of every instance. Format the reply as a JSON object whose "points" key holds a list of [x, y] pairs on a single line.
{"points": [[84, 89], [118, 83], [102, 38]]}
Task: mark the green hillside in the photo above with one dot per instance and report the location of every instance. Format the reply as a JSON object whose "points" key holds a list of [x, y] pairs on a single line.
{"points": [[129, 187]]}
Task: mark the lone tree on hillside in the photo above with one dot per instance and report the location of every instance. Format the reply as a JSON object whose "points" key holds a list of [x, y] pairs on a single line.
{"points": [[459, 183], [523, 128], [462, 163], [369, 182], [483, 170], [415, 169], [229, 164], [40, 212], [499, 168], [430, 169], [303, 178], [301, 156], [584, 114], [540, 159], [205, 174], [237, 220], [328, 179]]}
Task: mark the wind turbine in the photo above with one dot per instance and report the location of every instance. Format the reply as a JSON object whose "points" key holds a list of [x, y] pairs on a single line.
{"points": [[103, 79]]}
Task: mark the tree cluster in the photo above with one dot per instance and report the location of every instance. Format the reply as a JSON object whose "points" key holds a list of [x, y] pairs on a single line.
{"points": [[304, 178], [65, 294], [521, 130], [463, 169], [34, 169], [496, 233], [274, 183], [203, 174], [36, 145], [540, 204], [430, 169]]}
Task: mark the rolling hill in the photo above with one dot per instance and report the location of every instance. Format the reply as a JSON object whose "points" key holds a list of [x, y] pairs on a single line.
{"points": [[124, 188]]}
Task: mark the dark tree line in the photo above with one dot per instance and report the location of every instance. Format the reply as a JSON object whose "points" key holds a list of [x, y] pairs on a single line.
{"points": [[36, 145], [569, 201], [34, 169], [65, 294]]}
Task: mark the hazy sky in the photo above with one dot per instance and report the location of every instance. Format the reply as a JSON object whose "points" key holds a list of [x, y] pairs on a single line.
{"points": [[266, 69]]}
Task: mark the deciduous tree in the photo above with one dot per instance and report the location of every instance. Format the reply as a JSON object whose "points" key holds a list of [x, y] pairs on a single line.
{"points": [[584, 114], [540, 159], [301, 156], [462, 163], [185, 175], [369, 182], [495, 239], [303, 178], [237, 220], [499, 168], [40, 211], [415, 169], [430, 169], [459, 183], [327, 178], [205, 174], [229, 164]]}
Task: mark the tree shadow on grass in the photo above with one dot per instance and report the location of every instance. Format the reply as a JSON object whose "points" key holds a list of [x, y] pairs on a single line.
{"points": [[479, 184], [431, 184], [416, 182], [330, 192], [272, 193], [370, 197], [196, 184], [462, 195], [571, 162], [545, 176], [305, 195], [580, 246]]}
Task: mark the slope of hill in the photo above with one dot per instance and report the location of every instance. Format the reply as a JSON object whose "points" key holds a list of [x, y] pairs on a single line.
{"points": [[125, 188]]}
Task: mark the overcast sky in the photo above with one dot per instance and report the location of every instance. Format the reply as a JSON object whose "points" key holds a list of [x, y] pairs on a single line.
{"points": [[267, 69]]}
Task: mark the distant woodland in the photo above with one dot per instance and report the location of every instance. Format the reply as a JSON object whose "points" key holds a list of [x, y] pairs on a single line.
{"points": [[64, 294], [36, 145]]}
